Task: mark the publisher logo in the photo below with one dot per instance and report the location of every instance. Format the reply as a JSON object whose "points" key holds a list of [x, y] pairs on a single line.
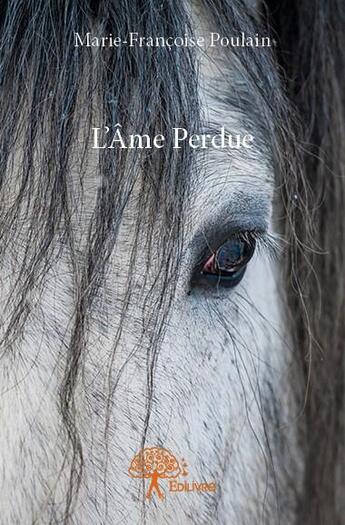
{"points": [[156, 464]]}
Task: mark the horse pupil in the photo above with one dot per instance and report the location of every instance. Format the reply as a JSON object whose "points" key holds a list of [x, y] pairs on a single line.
{"points": [[231, 254]]}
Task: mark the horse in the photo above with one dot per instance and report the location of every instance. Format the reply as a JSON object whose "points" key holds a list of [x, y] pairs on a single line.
{"points": [[171, 313]]}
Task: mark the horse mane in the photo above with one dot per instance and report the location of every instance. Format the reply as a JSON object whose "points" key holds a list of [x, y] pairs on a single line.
{"points": [[47, 81], [312, 54]]}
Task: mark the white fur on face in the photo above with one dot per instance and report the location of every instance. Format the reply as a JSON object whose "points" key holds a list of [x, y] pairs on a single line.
{"points": [[222, 395]]}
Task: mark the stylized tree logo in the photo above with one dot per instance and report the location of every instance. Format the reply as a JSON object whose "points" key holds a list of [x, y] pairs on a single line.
{"points": [[156, 463]]}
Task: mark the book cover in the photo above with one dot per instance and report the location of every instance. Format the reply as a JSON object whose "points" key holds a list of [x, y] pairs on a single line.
{"points": [[172, 240]]}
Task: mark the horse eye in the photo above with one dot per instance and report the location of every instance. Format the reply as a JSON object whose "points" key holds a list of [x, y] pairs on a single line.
{"points": [[227, 265]]}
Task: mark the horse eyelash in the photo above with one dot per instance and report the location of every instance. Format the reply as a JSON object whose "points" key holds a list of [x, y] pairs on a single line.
{"points": [[267, 243]]}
